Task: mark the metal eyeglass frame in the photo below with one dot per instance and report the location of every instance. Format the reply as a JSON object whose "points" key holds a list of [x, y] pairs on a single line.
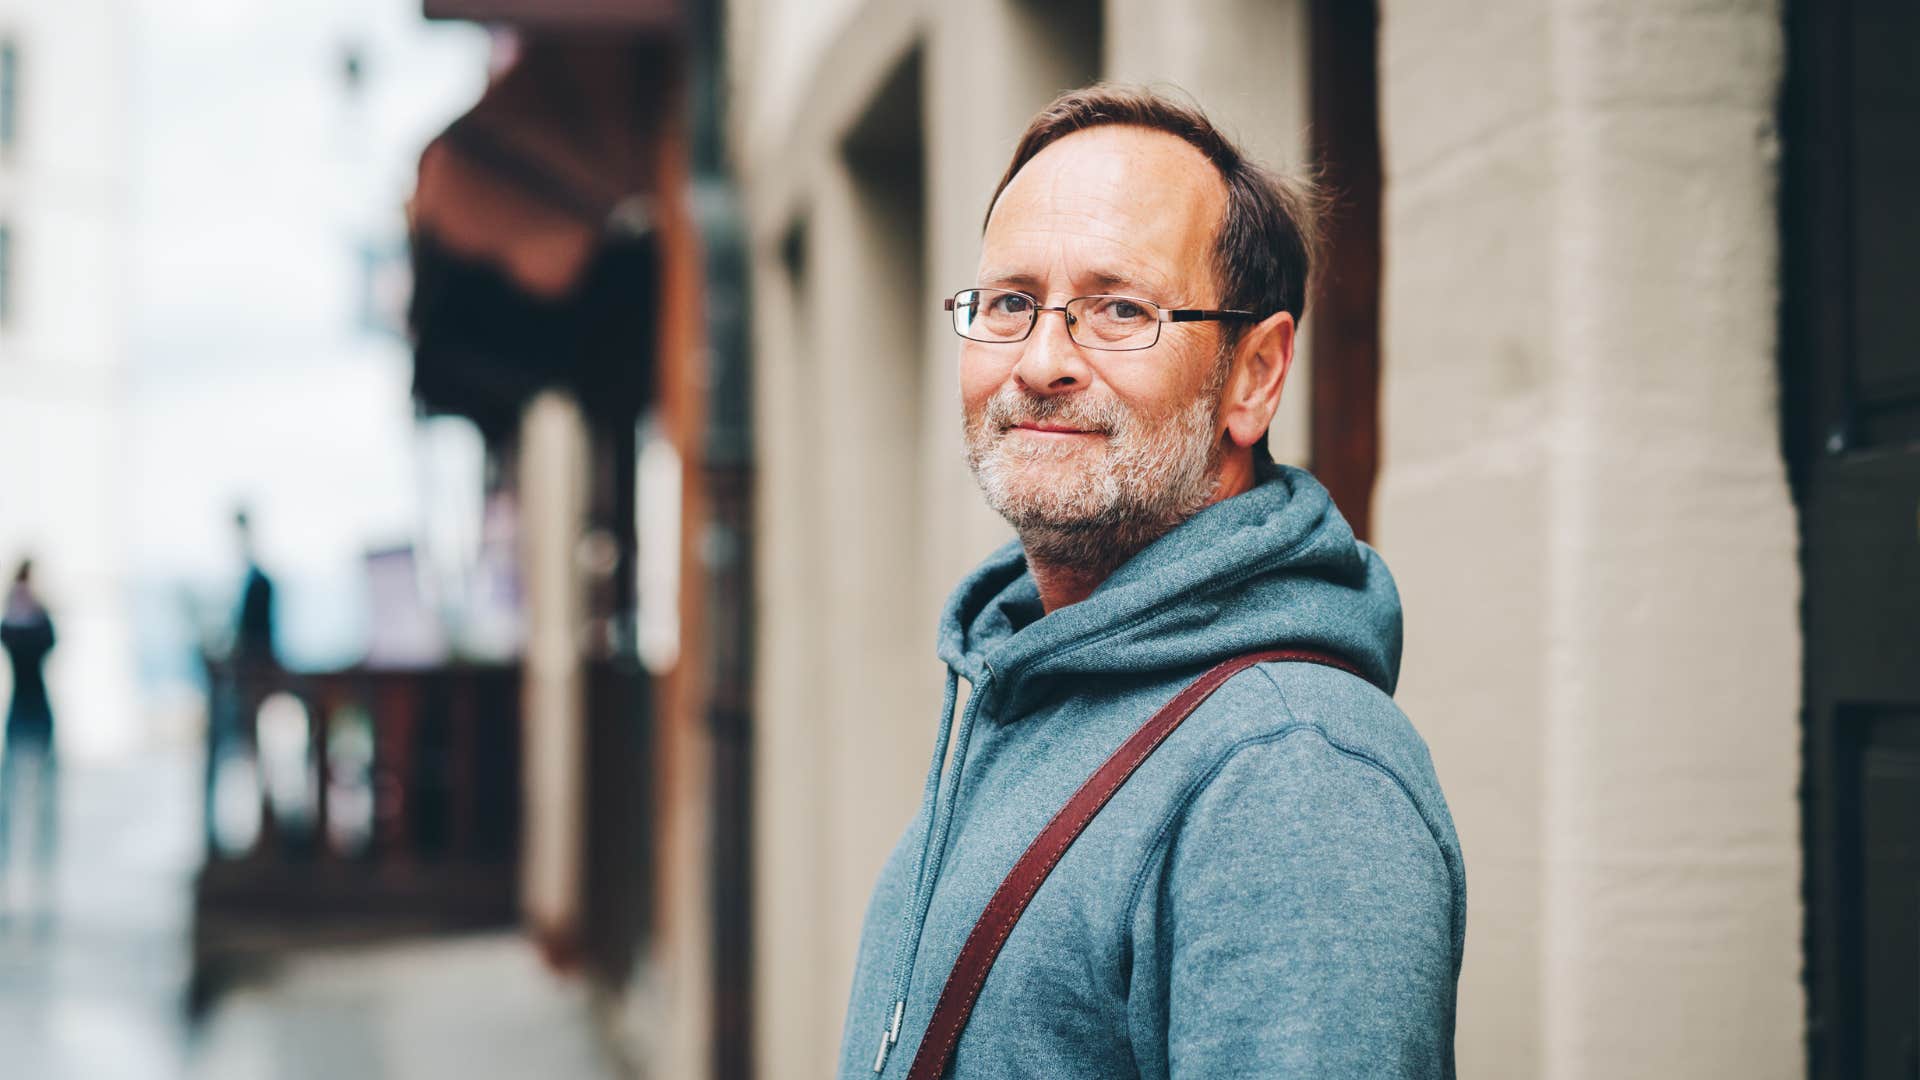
{"points": [[1162, 315]]}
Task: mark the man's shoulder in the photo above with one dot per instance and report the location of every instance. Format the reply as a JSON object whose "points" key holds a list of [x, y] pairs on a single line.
{"points": [[1355, 724]]}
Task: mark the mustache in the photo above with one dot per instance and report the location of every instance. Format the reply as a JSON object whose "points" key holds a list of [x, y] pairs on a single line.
{"points": [[1010, 407]]}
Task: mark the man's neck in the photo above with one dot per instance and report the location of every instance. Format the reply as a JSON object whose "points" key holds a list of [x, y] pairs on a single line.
{"points": [[1061, 585], [1068, 567]]}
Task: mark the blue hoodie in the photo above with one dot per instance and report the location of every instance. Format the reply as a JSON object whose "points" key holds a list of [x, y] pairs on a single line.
{"points": [[1277, 891]]}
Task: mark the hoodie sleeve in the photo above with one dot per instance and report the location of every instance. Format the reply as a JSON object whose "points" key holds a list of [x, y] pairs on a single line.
{"points": [[1298, 925]]}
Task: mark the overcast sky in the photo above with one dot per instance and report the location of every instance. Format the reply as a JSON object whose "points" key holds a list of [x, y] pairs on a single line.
{"points": [[257, 179]]}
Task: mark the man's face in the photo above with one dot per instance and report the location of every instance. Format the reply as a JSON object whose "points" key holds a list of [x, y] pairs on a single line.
{"points": [[1065, 437]]}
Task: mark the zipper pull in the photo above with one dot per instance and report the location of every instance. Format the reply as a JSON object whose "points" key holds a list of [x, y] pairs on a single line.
{"points": [[889, 1036]]}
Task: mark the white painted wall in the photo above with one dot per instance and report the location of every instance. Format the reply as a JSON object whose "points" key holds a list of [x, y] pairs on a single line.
{"points": [[63, 194], [1584, 502]]}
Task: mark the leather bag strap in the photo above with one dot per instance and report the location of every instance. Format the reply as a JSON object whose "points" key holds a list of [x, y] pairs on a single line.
{"points": [[1010, 901]]}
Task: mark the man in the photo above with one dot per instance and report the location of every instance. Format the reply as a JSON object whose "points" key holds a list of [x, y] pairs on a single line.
{"points": [[1277, 891], [249, 675], [253, 623]]}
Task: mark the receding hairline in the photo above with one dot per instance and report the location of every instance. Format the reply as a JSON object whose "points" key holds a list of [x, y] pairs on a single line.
{"points": [[1222, 189]]}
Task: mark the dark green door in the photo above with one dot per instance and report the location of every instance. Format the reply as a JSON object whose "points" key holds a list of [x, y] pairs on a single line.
{"points": [[1851, 322]]}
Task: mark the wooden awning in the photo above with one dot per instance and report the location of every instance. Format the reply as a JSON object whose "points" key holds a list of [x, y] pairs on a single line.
{"points": [[533, 252]]}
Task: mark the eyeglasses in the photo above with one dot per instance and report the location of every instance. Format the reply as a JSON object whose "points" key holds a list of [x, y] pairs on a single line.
{"points": [[1117, 323]]}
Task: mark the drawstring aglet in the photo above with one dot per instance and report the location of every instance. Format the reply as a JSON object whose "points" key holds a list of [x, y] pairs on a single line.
{"points": [[890, 1036]]}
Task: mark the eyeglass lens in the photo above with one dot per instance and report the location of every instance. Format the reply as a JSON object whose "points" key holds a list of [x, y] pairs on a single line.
{"points": [[1097, 322]]}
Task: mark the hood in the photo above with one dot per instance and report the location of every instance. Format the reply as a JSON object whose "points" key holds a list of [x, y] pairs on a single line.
{"points": [[1274, 567]]}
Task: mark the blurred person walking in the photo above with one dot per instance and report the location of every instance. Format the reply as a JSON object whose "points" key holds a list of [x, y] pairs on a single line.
{"points": [[26, 632], [253, 622], [238, 683], [1184, 832]]}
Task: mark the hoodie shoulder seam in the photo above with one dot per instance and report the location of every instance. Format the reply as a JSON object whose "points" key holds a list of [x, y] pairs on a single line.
{"points": [[1291, 725], [1352, 751]]}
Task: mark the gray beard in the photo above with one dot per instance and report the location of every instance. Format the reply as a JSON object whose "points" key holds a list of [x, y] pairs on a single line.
{"points": [[1145, 480]]}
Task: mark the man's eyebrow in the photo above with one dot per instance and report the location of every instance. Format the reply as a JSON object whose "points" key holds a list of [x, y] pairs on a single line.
{"points": [[1010, 280], [1108, 280]]}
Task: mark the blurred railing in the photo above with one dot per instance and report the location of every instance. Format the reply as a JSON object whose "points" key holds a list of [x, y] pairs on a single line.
{"points": [[354, 805]]}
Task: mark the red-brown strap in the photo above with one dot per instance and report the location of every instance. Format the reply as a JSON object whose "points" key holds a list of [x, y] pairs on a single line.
{"points": [[982, 947]]}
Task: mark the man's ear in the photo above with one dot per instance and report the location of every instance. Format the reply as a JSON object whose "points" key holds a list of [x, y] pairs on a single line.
{"points": [[1261, 362]]}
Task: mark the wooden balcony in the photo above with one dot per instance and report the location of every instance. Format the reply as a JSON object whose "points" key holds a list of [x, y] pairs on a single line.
{"points": [[352, 806]]}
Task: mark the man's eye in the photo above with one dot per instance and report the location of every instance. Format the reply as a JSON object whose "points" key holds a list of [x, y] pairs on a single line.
{"points": [[1118, 309], [1011, 304]]}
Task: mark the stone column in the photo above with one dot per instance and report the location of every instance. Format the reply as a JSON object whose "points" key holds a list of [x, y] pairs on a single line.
{"points": [[1585, 503], [552, 485]]}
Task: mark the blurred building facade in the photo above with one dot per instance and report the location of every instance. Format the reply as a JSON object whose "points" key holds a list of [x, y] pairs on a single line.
{"points": [[553, 305], [63, 312], [500, 777], [569, 255], [1549, 378]]}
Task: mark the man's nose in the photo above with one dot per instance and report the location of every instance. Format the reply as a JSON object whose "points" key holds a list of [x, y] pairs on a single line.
{"points": [[1051, 363]]}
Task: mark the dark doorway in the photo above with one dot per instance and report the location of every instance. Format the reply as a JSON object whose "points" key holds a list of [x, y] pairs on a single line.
{"points": [[1851, 420]]}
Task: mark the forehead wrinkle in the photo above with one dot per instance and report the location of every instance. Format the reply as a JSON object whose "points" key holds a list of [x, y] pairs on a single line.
{"points": [[1082, 269], [1073, 245], [1072, 255]]}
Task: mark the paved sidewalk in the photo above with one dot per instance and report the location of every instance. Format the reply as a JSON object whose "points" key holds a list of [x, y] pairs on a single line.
{"points": [[458, 1009], [96, 991], [90, 985]]}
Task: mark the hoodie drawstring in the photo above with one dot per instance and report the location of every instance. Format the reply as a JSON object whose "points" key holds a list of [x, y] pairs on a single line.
{"points": [[936, 821]]}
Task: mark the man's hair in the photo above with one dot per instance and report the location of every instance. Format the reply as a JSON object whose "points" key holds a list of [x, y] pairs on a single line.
{"points": [[1267, 243]]}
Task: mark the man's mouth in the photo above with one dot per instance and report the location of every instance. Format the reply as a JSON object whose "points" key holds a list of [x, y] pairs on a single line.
{"points": [[1051, 427]]}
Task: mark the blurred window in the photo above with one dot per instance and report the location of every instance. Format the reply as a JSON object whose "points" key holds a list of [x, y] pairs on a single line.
{"points": [[9, 94]]}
